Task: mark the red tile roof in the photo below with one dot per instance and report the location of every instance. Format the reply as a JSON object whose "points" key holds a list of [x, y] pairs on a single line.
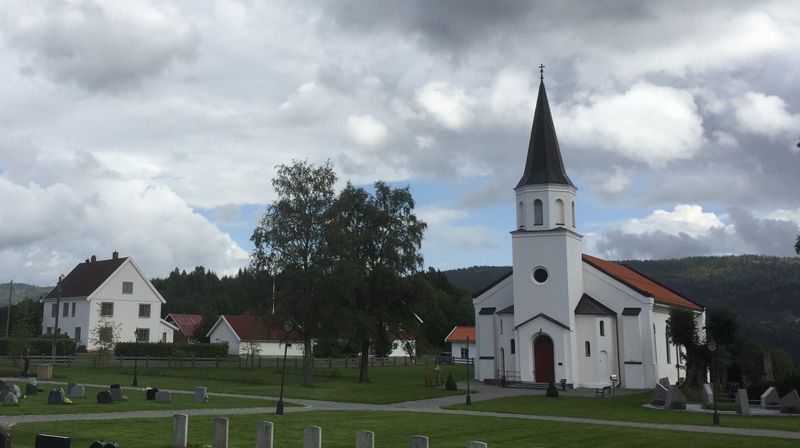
{"points": [[640, 283], [256, 328], [86, 277], [186, 323], [461, 333]]}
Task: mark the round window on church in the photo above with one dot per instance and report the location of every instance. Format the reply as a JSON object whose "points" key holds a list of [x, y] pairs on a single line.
{"points": [[539, 275]]}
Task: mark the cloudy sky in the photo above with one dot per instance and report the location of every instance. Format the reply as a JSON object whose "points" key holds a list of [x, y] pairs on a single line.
{"points": [[154, 127]]}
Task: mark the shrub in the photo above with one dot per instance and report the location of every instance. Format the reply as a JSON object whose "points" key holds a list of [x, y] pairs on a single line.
{"points": [[450, 384], [165, 350], [552, 391], [38, 346]]}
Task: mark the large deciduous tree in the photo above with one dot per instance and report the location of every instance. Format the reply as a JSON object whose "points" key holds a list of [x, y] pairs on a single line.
{"points": [[375, 241], [682, 329], [292, 239]]}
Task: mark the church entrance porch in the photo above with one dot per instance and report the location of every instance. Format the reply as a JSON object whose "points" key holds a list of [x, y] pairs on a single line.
{"points": [[543, 360]]}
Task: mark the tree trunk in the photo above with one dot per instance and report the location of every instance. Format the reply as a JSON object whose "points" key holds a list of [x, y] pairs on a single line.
{"points": [[308, 354], [363, 362]]}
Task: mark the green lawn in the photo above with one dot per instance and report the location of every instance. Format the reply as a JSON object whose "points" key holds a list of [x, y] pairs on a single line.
{"points": [[390, 384], [37, 404], [391, 429], [623, 407]]}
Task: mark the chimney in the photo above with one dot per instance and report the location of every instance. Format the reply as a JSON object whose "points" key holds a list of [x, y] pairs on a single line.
{"points": [[87, 261], [94, 258], [114, 255]]}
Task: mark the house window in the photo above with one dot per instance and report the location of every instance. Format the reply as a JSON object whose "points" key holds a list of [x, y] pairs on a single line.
{"points": [[127, 287], [464, 353], [105, 334], [513, 347], [142, 335], [538, 212], [144, 310], [107, 309], [77, 334], [501, 326], [54, 310], [65, 310], [73, 308], [666, 336], [602, 328], [164, 337], [49, 330], [588, 348]]}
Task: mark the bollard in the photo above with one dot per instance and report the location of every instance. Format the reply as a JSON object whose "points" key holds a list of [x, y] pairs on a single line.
{"points": [[180, 430], [419, 442], [475, 444], [220, 432], [264, 435], [365, 439], [312, 437]]}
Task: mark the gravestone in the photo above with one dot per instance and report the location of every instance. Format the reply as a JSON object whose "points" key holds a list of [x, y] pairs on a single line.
{"points": [[30, 389], [264, 435], [180, 430], [742, 404], [664, 382], [770, 397], [3, 392], [104, 397], [220, 432], [200, 394], [418, 442], [365, 439], [312, 437], [70, 386], [3, 385], [5, 439], [474, 444], [150, 393], [10, 400], [790, 403], [14, 389], [708, 394], [56, 396], [659, 395], [77, 392], [114, 386], [48, 441], [116, 394], [674, 399], [163, 396], [44, 372]]}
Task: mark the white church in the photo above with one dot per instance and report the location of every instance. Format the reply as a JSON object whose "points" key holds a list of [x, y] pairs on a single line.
{"points": [[561, 314]]}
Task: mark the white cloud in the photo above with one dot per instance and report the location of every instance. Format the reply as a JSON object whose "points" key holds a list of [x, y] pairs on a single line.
{"points": [[424, 141], [615, 182], [448, 105], [648, 123], [684, 218], [446, 230], [366, 130], [307, 104], [513, 97], [762, 114]]}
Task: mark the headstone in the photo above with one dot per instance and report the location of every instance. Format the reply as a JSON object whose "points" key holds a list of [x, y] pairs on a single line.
{"points": [[180, 430], [114, 386], [3, 385], [5, 439], [163, 396], [474, 444], [659, 395], [200, 394], [674, 399], [770, 397], [70, 386], [104, 397], [365, 439], [14, 389], [220, 432], [312, 437], [708, 394], [30, 389], [48, 441], [790, 403], [418, 442], [664, 382], [3, 394], [44, 372], [77, 392], [10, 400], [116, 394], [264, 435], [150, 393], [56, 396], [742, 404]]}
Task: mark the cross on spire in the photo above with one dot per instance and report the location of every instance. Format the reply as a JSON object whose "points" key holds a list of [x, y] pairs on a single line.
{"points": [[541, 72]]}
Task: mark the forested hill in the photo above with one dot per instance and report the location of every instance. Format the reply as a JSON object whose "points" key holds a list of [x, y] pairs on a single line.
{"points": [[764, 292], [21, 292]]}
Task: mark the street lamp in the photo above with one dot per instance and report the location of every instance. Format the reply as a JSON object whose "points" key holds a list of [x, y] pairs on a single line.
{"points": [[712, 347], [58, 311], [136, 359], [287, 327], [469, 398]]}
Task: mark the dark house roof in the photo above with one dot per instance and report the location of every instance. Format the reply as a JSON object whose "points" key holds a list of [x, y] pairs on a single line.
{"points": [[544, 164], [86, 277], [506, 310], [588, 305], [186, 323]]}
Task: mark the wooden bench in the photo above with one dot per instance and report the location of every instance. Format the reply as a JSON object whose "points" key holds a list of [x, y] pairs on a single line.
{"points": [[432, 380], [603, 393]]}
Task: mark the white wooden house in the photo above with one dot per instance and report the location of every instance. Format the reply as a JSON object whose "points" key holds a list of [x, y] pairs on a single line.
{"points": [[462, 343], [246, 334]]}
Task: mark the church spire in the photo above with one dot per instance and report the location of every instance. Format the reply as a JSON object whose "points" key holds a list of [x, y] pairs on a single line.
{"points": [[544, 164]]}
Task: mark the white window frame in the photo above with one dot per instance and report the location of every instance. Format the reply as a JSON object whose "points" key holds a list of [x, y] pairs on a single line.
{"points": [[102, 314], [139, 331], [149, 310], [129, 289]]}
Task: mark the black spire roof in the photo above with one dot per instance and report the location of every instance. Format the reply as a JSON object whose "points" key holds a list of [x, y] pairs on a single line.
{"points": [[544, 164]]}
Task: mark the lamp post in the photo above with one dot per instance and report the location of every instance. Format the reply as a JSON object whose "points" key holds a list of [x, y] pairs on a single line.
{"points": [[712, 347], [469, 397], [136, 359], [287, 327], [58, 311]]}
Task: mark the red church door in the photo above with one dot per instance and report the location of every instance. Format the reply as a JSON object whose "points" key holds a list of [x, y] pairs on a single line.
{"points": [[543, 360]]}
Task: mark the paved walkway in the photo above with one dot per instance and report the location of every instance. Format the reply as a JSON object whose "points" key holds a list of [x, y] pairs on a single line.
{"points": [[432, 405]]}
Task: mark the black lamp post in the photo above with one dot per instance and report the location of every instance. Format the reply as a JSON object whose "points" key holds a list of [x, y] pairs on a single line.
{"points": [[469, 397], [58, 311], [136, 360], [712, 347], [287, 327]]}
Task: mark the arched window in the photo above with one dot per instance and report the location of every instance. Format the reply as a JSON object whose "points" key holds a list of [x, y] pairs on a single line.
{"points": [[538, 213], [573, 214], [655, 346], [521, 215], [666, 336], [559, 212], [513, 347], [602, 328], [588, 348]]}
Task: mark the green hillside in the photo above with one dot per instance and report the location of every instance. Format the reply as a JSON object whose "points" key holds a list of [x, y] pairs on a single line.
{"points": [[21, 292], [764, 292]]}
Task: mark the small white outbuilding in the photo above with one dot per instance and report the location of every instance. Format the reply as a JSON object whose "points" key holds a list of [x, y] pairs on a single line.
{"points": [[253, 335]]}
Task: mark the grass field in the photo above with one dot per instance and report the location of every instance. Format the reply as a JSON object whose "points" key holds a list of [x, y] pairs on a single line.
{"points": [[624, 407], [392, 429], [37, 404]]}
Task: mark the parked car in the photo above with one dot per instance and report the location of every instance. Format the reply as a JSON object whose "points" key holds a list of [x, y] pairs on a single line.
{"points": [[444, 358]]}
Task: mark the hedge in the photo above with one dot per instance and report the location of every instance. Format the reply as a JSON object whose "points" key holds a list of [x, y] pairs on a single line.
{"points": [[38, 346], [165, 350]]}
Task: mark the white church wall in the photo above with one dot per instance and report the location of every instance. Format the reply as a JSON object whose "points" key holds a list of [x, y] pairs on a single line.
{"points": [[665, 356], [595, 369], [498, 297], [561, 348]]}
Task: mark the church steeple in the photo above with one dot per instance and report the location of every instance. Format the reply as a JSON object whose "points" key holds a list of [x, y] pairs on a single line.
{"points": [[544, 164]]}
